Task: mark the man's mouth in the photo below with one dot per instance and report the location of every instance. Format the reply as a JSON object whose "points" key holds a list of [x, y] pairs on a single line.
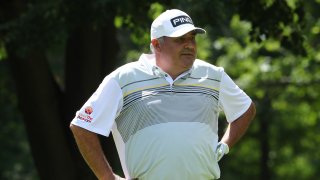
{"points": [[187, 54]]}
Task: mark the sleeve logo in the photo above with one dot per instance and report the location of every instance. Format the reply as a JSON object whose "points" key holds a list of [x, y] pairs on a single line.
{"points": [[88, 110], [86, 117]]}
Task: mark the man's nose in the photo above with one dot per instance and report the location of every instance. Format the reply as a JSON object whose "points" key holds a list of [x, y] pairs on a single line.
{"points": [[190, 44]]}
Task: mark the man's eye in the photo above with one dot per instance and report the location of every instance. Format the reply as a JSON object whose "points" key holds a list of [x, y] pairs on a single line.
{"points": [[181, 39], [185, 39]]}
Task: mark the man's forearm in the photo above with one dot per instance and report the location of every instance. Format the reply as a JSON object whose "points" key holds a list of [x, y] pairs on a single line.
{"points": [[237, 128], [90, 148]]}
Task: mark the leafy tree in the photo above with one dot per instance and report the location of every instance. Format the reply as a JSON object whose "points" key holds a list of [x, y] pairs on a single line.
{"points": [[30, 31], [283, 82], [59, 51], [16, 162]]}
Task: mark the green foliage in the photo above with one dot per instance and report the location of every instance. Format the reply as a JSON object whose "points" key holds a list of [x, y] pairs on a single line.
{"points": [[16, 161], [269, 47], [267, 54], [204, 46], [138, 36], [39, 26], [292, 83], [282, 20], [3, 53]]}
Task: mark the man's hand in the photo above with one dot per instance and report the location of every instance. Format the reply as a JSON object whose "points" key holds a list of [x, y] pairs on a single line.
{"points": [[91, 150], [222, 149]]}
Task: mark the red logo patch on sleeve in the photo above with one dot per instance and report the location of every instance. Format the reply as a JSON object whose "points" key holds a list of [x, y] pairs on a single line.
{"points": [[86, 117], [88, 110]]}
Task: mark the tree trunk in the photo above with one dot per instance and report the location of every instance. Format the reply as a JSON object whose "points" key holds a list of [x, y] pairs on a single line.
{"points": [[265, 115], [39, 100], [47, 111], [90, 55], [40, 103]]}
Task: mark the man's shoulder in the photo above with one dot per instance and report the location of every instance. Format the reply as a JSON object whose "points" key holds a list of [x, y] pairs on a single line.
{"points": [[128, 69], [140, 65], [131, 72], [200, 65]]}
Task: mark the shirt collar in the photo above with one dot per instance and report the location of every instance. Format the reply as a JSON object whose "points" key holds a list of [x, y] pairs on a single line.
{"points": [[149, 61]]}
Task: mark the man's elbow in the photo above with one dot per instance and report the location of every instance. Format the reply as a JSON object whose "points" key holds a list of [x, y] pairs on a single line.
{"points": [[74, 128], [253, 111], [249, 115], [78, 131]]}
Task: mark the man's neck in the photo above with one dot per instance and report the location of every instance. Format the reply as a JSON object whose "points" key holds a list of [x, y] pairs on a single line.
{"points": [[170, 69]]}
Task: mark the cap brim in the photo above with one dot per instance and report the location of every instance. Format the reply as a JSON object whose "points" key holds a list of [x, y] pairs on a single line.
{"points": [[185, 30]]}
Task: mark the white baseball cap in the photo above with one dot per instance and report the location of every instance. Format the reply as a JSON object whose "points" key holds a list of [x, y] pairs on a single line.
{"points": [[173, 23]]}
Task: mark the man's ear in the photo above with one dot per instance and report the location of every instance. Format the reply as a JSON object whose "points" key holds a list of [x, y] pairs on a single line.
{"points": [[155, 43]]}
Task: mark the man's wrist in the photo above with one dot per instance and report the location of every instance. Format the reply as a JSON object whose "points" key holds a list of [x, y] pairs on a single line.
{"points": [[222, 149], [225, 147]]}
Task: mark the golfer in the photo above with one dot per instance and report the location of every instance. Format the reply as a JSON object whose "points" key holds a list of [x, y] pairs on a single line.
{"points": [[163, 110]]}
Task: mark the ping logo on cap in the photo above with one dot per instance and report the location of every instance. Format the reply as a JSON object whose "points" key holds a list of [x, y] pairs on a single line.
{"points": [[179, 20]]}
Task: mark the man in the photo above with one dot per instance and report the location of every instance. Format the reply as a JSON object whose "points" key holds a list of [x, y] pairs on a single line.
{"points": [[163, 110]]}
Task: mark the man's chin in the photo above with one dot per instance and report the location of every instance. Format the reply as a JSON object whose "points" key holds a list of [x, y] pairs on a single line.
{"points": [[188, 61]]}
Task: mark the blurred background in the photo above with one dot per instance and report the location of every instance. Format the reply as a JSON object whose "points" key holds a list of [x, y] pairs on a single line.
{"points": [[55, 53]]}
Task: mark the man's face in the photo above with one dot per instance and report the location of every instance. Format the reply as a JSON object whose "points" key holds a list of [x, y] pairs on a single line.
{"points": [[180, 52]]}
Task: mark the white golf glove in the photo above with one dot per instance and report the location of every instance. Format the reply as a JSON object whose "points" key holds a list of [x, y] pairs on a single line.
{"points": [[118, 177], [222, 149]]}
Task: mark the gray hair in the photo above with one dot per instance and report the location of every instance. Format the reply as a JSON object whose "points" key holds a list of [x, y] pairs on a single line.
{"points": [[161, 41]]}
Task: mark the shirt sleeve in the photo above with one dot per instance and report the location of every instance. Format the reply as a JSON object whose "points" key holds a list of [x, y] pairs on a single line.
{"points": [[99, 112], [233, 100]]}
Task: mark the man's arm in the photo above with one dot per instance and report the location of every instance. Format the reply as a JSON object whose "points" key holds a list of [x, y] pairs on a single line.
{"points": [[91, 150], [237, 128]]}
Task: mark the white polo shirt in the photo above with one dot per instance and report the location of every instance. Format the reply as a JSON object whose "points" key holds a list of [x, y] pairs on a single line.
{"points": [[164, 128]]}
